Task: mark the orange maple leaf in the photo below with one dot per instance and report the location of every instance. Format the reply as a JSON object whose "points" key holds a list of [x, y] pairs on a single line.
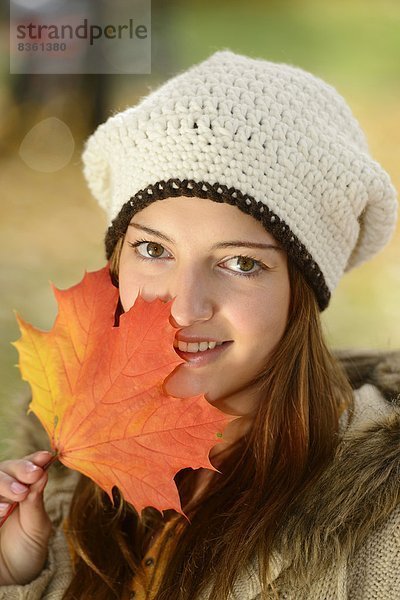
{"points": [[98, 391]]}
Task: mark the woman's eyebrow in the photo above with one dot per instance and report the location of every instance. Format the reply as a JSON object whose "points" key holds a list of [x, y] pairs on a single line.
{"points": [[227, 244]]}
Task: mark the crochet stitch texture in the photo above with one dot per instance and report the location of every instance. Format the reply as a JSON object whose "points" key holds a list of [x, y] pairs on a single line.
{"points": [[274, 135]]}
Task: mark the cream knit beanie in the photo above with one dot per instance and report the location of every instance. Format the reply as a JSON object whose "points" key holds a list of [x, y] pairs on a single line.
{"points": [[272, 139]]}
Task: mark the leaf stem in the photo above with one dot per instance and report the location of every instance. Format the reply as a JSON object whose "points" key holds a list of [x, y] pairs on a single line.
{"points": [[13, 506]]}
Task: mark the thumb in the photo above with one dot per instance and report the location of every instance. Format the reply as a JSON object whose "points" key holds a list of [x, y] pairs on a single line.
{"points": [[34, 519]]}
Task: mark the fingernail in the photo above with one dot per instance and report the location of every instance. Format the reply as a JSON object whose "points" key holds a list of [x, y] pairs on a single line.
{"points": [[3, 507], [18, 488], [30, 467], [45, 453]]}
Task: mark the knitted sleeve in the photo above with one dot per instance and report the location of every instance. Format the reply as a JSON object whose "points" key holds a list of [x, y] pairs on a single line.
{"points": [[52, 582], [375, 573]]}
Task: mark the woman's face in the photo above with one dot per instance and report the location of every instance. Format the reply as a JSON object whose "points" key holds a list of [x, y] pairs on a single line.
{"points": [[230, 281]]}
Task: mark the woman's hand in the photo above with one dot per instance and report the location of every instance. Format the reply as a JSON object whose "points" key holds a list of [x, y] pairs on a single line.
{"points": [[25, 535]]}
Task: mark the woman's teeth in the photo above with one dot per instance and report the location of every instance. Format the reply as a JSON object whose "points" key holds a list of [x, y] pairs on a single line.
{"points": [[195, 346]]}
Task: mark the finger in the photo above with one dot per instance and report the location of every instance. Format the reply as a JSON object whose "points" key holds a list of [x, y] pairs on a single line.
{"points": [[3, 499], [40, 458], [23, 470], [33, 517], [38, 486], [11, 489], [4, 506]]}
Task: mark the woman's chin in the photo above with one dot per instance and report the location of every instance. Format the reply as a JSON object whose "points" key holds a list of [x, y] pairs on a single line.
{"points": [[184, 385]]}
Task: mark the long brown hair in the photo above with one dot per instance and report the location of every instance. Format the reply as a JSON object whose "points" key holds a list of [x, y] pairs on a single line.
{"points": [[292, 439]]}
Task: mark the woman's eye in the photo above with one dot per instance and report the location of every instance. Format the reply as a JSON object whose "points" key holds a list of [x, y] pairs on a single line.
{"points": [[147, 249], [248, 266]]}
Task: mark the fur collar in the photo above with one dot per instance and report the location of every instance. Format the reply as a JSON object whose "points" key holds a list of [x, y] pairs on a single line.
{"points": [[354, 496]]}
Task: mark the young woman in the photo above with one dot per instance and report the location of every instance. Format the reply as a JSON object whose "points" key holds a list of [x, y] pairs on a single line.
{"points": [[244, 190]]}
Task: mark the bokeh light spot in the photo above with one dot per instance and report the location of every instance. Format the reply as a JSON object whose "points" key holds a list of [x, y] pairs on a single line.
{"points": [[48, 146]]}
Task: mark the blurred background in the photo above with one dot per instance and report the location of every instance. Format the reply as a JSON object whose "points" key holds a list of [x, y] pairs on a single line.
{"points": [[51, 228]]}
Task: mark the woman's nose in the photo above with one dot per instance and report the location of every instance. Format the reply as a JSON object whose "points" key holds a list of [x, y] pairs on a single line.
{"points": [[193, 300]]}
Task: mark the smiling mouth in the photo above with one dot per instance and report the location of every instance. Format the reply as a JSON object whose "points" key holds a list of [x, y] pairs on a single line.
{"points": [[194, 347], [203, 357]]}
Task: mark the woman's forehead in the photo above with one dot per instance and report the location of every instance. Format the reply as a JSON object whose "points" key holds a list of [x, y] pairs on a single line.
{"points": [[184, 214]]}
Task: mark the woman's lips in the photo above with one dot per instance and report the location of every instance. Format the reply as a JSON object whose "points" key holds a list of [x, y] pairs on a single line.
{"points": [[198, 359]]}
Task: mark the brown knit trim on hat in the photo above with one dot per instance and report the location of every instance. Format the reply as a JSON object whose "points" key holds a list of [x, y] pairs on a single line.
{"points": [[221, 193]]}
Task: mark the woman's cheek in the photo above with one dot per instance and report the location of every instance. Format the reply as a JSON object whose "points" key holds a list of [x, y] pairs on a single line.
{"points": [[128, 293]]}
